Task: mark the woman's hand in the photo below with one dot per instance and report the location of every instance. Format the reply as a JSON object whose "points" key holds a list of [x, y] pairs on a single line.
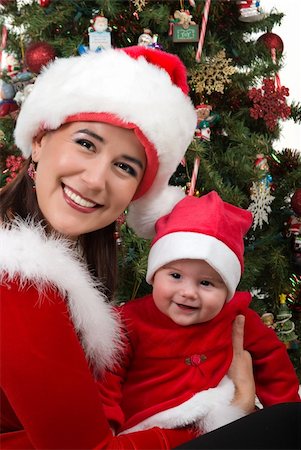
{"points": [[241, 370]]}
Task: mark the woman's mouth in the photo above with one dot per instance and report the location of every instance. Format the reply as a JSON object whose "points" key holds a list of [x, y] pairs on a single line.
{"points": [[77, 199]]}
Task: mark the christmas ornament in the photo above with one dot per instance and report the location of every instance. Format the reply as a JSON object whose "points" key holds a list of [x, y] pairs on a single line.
{"points": [[44, 3], [194, 176], [7, 90], [4, 34], [206, 118], [213, 74], [22, 3], [22, 95], [37, 55], [203, 30], [294, 296], [293, 226], [99, 34], [146, 38], [294, 229], [7, 102], [268, 320], [271, 41], [296, 202], [11, 65], [139, 4], [7, 107], [250, 11], [296, 252], [261, 163], [22, 79], [284, 326], [182, 27], [260, 206], [269, 103], [284, 162], [13, 165]]}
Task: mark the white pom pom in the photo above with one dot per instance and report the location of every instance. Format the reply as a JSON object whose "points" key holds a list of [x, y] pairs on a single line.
{"points": [[144, 213]]}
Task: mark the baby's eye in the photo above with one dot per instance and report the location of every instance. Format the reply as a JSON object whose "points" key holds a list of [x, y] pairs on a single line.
{"points": [[85, 143], [175, 275], [205, 283], [127, 168]]}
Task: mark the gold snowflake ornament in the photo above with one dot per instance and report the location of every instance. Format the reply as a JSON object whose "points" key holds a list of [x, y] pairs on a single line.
{"points": [[139, 4], [213, 74]]}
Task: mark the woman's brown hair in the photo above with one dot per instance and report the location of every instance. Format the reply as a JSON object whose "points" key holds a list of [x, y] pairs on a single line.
{"points": [[18, 199]]}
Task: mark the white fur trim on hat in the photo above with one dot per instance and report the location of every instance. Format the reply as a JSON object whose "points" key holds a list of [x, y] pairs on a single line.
{"points": [[189, 245], [144, 212]]}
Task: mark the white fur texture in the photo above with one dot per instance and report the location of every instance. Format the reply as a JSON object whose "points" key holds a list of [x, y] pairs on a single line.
{"points": [[144, 212], [26, 252], [206, 410]]}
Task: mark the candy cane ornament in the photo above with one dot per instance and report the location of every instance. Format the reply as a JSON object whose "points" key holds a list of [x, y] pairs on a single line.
{"points": [[203, 30], [274, 59], [194, 175], [3, 43]]}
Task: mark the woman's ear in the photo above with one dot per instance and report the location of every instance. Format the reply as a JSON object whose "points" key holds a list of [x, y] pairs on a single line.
{"points": [[37, 145]]}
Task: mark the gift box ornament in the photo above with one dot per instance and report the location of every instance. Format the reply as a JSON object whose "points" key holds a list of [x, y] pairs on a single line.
{"points": [[99, 34], [183, 28]]}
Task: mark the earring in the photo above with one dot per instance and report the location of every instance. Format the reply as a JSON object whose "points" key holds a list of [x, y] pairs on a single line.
{"points": [[117, 234], [32, 172]]}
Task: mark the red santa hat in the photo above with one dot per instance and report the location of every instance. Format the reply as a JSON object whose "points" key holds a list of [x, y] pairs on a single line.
{"points": [[204, 228], [135, 87]]}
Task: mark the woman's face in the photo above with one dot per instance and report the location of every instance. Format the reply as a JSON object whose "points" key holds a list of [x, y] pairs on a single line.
{"points": [[87, 174]]}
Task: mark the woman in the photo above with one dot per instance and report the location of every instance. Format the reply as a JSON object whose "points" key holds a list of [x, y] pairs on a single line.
{"points": [[100, 132]]}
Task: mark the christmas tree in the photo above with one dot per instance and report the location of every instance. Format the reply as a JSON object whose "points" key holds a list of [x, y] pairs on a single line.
{"points": [[235, 81]]}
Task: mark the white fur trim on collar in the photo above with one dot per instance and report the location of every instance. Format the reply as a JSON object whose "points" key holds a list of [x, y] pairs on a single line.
{"points": [[28, 253], [206, 410]]}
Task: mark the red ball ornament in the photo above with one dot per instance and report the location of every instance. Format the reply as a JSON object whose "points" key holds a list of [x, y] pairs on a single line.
{"points": [[296, 202], [44, 3], [37, 55], [272, 40]]}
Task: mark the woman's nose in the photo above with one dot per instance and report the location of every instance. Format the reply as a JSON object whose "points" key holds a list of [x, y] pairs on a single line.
{"points": [[96, 175]]}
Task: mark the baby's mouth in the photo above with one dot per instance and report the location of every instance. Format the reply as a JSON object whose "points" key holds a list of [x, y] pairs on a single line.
{"points": [[183, 306]]}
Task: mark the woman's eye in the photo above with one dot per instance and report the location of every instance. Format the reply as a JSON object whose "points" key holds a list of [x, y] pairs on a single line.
{"points": [[127, 168], [175, 275], [85, 143]]}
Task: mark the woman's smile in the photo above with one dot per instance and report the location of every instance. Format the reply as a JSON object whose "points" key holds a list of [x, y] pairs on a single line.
{"points": [[87, 174], [75, 200]]}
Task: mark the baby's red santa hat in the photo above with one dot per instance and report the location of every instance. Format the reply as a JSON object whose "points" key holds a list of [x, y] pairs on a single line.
{"points": [[139, 88], [204, 228]]}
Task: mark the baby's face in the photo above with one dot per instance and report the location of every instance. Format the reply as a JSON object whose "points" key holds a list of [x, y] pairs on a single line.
{"points": [[189, 291]]}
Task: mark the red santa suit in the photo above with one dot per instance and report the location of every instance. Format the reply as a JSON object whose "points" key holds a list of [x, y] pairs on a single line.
{"points": [[57, 333], [175, 375]]}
